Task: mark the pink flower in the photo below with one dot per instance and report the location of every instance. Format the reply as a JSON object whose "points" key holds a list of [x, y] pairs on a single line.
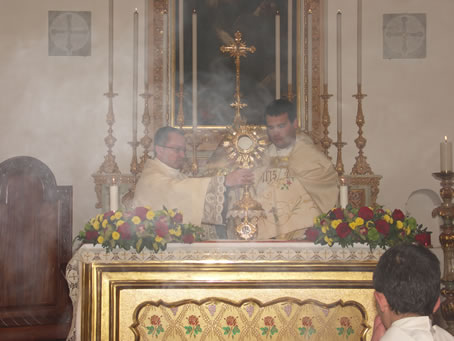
{"points": [[125, 231], [107, 215], [155, 320], [188, 238], [343, 230], [307, 321], [178, 218], [363, 230], [141, 212], [162, 228], [366, 213], [231, 321], [338, 213], [269, 321], [382, 227], [193, 320]]}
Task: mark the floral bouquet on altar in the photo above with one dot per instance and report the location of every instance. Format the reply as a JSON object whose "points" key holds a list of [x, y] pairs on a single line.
{"points": [[139, 228], [374, 226]]}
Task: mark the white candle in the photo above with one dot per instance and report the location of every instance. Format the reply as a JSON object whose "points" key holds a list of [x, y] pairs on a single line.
{"points": [[359, 42], [194, 69], [301, 82], [339, 70], [164, 68], [290, 42], [446, 155], [135, 72], [343, 196], [113, 197], [309, 68], [181, 42], [145, 48], [278, 55], [110, 70], [325, 43]]}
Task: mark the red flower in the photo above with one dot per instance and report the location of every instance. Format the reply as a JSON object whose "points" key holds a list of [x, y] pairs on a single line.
{"points": [[155, 320], [125, 231], [269, 321], [363, 230], [188, 238], [107, 215], [422, 238], [307, 321], [398, 215], [162, 228], [178, 218], [193, 320], [231, 321], [141, 212], [312, 234], [91, 235], [338, 213], [382, 227], [343, 230], [366, 213], [345, 322]]}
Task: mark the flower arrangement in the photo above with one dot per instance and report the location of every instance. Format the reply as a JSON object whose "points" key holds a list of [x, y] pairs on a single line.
{"points": [[139, 228], [375, 226]]}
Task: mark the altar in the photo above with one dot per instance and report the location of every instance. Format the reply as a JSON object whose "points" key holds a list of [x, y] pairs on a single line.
{"points": [[220, 291]]}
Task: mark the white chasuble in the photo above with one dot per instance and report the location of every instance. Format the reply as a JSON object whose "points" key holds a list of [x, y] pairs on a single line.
{"points": [[297, 184], [200, 200]]}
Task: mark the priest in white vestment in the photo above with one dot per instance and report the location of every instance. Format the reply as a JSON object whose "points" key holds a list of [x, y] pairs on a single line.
{"points": [[296, 183], [407, 291], [161, 184]]}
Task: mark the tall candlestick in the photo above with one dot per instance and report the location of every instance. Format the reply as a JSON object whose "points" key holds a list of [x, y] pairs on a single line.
{"points": [[325, 42], [164, 67], [278, 55], [145, 47], [309, 68], [194, 69], [181, 42], [110, 69], [339, 70], [135, 72], [359, 42], [446, 155], [290, 42]]}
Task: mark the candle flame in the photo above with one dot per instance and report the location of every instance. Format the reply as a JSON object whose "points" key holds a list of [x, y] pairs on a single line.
{"points": [[446, 139], [339, 11], [136, 11]]}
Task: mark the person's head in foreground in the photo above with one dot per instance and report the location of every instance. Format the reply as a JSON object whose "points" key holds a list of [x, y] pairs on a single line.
{"points": [[170, 146], [281, 123], [407, 290]]}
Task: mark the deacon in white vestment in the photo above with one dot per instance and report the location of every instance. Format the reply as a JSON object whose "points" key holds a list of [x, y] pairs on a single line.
{"points": [[297, 182], [407, 290], [162, 184]]}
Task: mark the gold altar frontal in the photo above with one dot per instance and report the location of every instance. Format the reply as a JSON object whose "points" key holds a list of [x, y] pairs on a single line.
{"points": [[223, 291]]}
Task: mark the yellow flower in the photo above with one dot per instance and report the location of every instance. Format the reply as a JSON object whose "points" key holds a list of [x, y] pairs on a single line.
{"points": [[178, 231], [352, 225], [388, 211], [172, 213], [104, 223], [120, 222], [136, 220], [316, 220], [148, 207], [158, 239], [359, 221], [118, 215], [112, 217], [399, 224], [100, 239], [388, 219], [96, 225], [408, 230], [172, 231], [328, 240], [92, 221], [115, 235], [324, 228], [370, 224], [335, 223], [150, 215], [100, 217]]}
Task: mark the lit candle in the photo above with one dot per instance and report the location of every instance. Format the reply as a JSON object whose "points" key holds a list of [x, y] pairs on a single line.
{"points": [[325, 43], [164, 67], [194, 69], [446, 155], [359, 42], [339, 71], [135, 72], [309, 68], [278, 55], [145, 47], [290, 42], [181, 43], [343, 196], [113, 191], [110, 70]]}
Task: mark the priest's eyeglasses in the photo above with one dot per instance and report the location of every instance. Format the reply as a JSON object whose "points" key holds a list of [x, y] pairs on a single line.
{"points": [[176, 149]]}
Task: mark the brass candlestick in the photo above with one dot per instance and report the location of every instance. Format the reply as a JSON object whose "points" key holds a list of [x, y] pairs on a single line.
{"points": [[146, 140], [180, 116], [339, 144], [446, 212], [195, 142], [326, 141]]}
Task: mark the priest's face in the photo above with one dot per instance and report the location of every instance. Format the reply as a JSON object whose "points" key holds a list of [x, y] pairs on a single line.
{"points": [[281, 131], [173, 153]]}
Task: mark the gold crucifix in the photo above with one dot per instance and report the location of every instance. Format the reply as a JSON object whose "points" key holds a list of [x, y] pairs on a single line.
{"points": [[237, 49]]}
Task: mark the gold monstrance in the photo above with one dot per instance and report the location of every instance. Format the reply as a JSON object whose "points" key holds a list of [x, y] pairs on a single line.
{"points": [[243, 144]]}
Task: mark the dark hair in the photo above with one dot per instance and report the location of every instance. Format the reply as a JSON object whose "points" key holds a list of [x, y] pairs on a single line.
{"points": [[162, 134], [279, 107], [409, 277]]}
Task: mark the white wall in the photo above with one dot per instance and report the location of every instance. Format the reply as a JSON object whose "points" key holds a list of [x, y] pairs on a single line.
{"points": [[53, 108]]}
